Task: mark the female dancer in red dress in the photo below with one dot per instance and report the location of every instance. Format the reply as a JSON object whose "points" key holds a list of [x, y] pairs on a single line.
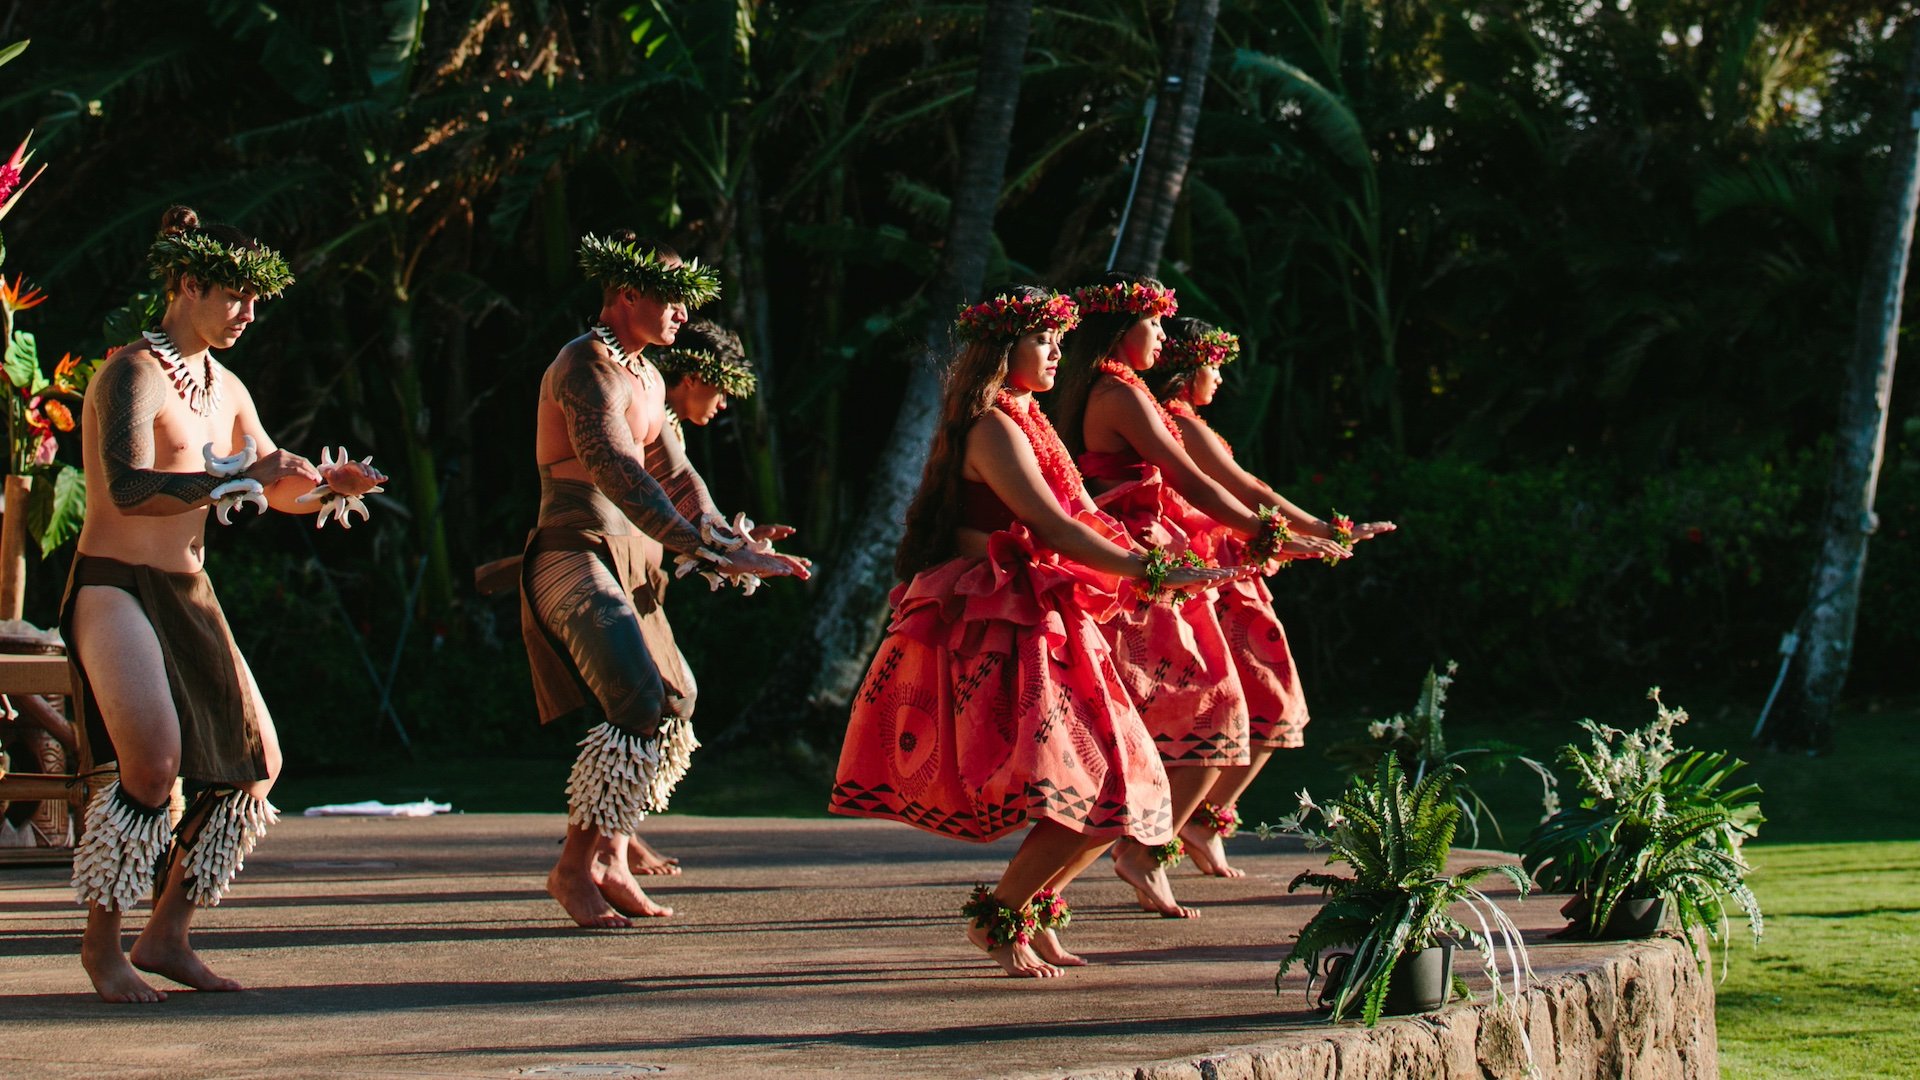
{"points": [[1173, 658], [993, 702], [1187, 377]]}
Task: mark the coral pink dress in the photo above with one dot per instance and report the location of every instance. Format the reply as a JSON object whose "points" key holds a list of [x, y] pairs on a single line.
{"points": [[1256, 642], [994, 700], [1172, 657]]}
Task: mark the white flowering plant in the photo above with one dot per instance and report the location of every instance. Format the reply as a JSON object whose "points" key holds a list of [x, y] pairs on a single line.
{"points": [[1396, 837], [1654, 821], [1419, 740]]}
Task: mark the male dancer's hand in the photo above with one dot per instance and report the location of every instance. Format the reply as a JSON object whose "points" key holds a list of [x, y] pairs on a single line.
{"points": [[773, 531], [765, 565], [283, 465], [354, 478]]}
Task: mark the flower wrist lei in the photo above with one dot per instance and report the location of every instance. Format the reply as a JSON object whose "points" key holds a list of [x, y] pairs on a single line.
{"points": [[337, 504], [1152, 585], [1274, 534], [237, 490], [1342, 534], [1004, 925], [1050, 910], [719, 539], [1169, 853], [622, 264], [1224, 821], [1006, 316]]}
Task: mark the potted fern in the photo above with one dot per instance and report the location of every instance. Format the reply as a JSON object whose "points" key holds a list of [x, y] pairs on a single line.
{"points": [[1393, 919], [1419, 739], [1658, 830]]}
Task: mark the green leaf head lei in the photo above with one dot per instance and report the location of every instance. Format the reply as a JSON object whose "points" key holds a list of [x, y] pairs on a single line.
{"points": [[208, 258], [626, 264], [711, 354]]}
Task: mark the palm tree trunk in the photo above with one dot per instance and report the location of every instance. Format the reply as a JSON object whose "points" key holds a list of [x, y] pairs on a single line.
{"points": [[1163, 169], [1833, 605], [851, 607]]}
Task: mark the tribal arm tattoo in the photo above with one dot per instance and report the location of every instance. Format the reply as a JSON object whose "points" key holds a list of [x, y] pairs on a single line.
{"points": [[131, 394], [593, 396], [678, 477]]}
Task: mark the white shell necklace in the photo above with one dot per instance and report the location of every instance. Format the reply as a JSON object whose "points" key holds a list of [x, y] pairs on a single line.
{"points": [[201, 392], [636, 365]]}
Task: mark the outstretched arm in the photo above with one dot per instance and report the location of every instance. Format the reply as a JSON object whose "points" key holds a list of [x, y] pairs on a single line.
{"points": [[667, 458], [593, 395], [129, 395], [284, 475], [1132, 415], [1213, 457]]}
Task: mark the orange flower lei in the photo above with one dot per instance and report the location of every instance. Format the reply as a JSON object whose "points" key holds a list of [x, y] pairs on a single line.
{"points": [[1123, 373], [1056, 465]]}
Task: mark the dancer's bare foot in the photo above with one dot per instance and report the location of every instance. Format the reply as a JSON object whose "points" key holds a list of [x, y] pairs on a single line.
{"points": [[113, 977], [1047, 946], [617, 886], [1135, 864], [581, 898], [177, 961], [1208, 851], [1016, 959], [642, 859]]}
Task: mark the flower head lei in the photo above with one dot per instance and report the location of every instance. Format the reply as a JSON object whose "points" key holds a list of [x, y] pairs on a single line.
{"points": [[209, 259], [623, 264], [1007, 316], [1211, 349], [732, 376], [1134, 298]]}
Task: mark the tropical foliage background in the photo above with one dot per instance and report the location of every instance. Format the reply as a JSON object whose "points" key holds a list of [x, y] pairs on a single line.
{"points": [[1562, 286]]}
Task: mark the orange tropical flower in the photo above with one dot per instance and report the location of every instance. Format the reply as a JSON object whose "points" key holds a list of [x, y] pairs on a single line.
{"points": [[61, 416], [19, 296]]}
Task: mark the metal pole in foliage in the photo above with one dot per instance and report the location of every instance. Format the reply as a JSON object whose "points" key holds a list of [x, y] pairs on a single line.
{"points": [[1833, 603], [1170, 131], [852, 604]]}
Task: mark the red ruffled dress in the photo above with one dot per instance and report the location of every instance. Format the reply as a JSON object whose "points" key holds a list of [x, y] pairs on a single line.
{"points": [[994, 701], [1172, 657]]}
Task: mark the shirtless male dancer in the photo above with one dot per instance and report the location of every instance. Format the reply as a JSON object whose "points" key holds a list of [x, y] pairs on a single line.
{"points": [[168, 434], [591, 579], [705, 368]]}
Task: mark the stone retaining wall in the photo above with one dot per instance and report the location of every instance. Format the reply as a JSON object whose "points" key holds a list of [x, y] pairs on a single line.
{"points": [[1634, 1009]]}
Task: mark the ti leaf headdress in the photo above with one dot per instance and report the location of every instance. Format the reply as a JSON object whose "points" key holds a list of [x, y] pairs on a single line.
{"points": [[623, 264], [207, 258], [732, 376]]}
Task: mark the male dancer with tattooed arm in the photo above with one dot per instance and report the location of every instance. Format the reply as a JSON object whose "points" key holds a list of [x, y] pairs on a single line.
{"points": [[591, 581], [169, 434]]}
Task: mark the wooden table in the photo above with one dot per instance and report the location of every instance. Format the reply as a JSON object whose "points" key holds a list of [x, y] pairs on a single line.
{"points": [[47, 676]]}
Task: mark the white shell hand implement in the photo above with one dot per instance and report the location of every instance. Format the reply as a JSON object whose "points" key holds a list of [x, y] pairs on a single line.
{"points": [[722, 539], [333, 504], [238, 490]]}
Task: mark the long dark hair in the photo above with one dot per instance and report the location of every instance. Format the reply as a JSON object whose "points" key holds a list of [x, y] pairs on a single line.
{"points": [[973, 380], [1095, 339], [1164, 379]]}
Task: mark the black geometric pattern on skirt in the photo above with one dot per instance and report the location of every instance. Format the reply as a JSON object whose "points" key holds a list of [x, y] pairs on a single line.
{"points": [[1207, 749], [998, 819]]}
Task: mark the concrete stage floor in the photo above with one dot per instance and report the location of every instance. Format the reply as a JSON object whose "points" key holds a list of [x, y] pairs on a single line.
{"points": [[800, 948]]}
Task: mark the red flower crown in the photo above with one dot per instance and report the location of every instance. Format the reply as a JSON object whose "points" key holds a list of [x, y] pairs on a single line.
{"points": [[1012, 316], [1134, 298], [1211, 349]]}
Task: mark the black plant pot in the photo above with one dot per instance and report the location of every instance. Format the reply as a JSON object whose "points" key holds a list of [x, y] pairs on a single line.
{"points": [[1630, 919], [1636, 918], [1421, 981]]}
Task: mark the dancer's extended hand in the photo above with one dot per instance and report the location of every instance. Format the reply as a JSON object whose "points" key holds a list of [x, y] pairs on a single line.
{"points": [[1201, 577], [765, 564], [1313, 547], [774, 531], [1369, 530], [283, 465]]}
